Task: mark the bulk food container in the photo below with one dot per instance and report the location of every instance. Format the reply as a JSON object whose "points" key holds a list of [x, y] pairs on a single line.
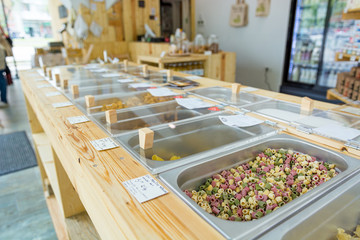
{"points": [[193, 175], [225, 96], [115, 101], [185, 142], [320, 220], [147, 116]]}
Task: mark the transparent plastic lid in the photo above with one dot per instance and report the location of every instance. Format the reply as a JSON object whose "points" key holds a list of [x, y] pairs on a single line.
{"points": [[100, 90], [147, 116], [181, 143], [119, 101], [96, 82], [280, 110], [226, 96]]}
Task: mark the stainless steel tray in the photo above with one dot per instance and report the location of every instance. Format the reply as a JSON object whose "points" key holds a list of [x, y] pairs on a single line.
{"points": [[338, 209], [193, 175], [147, 116], [190, 140], [224, 95]]}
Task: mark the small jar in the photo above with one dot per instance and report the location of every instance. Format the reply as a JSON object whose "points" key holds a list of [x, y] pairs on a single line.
{"points": [[213, 43]]}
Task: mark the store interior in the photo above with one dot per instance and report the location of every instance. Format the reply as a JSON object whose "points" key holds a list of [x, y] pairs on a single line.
{"points": [[179, 119]]}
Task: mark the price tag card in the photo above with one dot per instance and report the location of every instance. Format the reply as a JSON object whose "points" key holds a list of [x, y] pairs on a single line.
{"points": [[92, 66], [104, 144], [78, 119], [249, 89], [110, 75], [52, 94], [125, 80], [161, 92], [140, 85], [101, 70], [62, 104], [44, 86], [353, 58], [340, 56], [163, 71], [193, 103], [193, 77], [337, 132], [144, 188], [352, 110], [239, 121]]}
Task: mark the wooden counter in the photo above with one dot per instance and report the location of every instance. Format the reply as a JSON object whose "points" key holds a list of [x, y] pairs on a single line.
{"points": [[83, 186]]}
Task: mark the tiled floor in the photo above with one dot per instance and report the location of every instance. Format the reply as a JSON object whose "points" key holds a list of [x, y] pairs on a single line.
{"points": [[23, 210]]}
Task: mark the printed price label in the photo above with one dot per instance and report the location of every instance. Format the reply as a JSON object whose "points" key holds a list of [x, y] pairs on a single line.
{"points": [[352, 110], [62, 104], [353, 58], [140, 85], [44, 86], [337, 132], [193, 103], [215, 109], [78, 119], [193, 77], [239, 121], [101, 70], [340, 56], [161, 92], [249, 89], [110, 75], [125, 80], [144, 188], [104, 144], [52, 94]]}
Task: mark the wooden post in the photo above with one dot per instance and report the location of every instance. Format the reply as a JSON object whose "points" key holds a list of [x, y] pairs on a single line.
{"points": [[75, 89], [235, 88], [90, 101], [145, 71], [57, 78], [44, 69], [146, 138], [169, 74], [307, 104], [126, 63], [49, 73], [111, 116], [64, 83]]}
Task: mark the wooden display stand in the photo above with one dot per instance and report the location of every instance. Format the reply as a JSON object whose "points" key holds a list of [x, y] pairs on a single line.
{"points": [[332, 94]]}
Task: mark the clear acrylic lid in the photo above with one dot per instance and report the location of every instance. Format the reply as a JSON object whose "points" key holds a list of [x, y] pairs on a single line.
{"points": [[279, 110], [182, 143], [225, 95], [119, 101], [147, 116]]}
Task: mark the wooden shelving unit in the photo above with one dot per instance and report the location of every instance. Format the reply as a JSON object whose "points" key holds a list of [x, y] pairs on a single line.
{"points": [[343, 57], [332, 94]]}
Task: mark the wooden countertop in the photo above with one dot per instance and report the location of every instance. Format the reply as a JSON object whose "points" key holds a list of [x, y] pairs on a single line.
{"points": [[97, 176]]}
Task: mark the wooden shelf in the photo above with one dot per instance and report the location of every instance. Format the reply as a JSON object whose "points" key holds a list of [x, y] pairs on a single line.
{"points": [[44, 150], [343, 57], [351, 14], [333, 94]]}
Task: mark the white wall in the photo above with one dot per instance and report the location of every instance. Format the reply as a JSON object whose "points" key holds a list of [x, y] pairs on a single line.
{"points": [[260, 44]]}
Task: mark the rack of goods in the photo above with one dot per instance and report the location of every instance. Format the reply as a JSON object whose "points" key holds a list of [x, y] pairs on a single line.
{"points": [[124, 154]]}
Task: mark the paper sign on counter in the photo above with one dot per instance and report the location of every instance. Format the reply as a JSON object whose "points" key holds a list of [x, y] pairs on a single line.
{"points": [[193, 77], [240, 121], [352, 110], [101, 70], [125, 80], [104, 144], [52, 94], [62, 104], [44, 86], [337, 132], [78, 119], [109, 75], [140, 85], [144, 188], [193, 103], [248, 89], [161, 92]]}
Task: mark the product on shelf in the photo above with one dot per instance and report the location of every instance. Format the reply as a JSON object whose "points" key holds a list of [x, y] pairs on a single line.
{"points": [[342, 235], [348, 83], [157, 158], [255, 189]]}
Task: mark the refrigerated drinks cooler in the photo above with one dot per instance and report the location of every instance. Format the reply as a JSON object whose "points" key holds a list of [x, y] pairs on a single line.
{"points": [[316, 33]]}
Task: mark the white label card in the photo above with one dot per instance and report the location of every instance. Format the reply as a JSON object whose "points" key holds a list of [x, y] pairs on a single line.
{"points": [[337, 132], [163, 71], [240, 121], [140, 85], [92, 66], [44, 86], [193, 77], [125, 80], [144, 188], [101, 70], [62, 104], [161, 92], [78, 119], [193, 103], [353, 58], [249, 89], [52, 94], [104, 144], [109, 75], [352, 110]]}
